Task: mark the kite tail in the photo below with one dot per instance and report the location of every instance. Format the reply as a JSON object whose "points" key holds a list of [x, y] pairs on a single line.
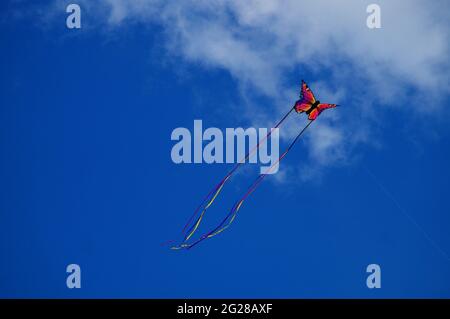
{"points": [[236, 207], [187, 231]]}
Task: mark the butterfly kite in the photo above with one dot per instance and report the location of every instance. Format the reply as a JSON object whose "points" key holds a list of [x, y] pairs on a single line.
{"points": [[306, 104]]}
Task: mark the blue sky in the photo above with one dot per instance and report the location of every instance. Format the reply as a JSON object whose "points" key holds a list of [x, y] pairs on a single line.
{"points": [[87, 178]]}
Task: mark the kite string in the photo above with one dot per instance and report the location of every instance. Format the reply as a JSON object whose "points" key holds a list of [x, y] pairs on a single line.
{"points": [[201, 204], [194, 227], [218, 188], [251, 152], [250, 190], [261, 177]]}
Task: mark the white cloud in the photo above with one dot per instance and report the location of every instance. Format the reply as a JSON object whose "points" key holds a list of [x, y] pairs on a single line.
{"points": [[261, 43]]}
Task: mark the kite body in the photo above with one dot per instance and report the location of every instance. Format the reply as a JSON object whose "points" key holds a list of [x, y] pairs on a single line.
{"points": [[309, 105]]}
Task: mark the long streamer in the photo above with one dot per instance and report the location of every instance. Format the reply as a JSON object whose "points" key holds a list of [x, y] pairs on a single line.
{"points": [[236, 207], [213, 194], [188, 232]]}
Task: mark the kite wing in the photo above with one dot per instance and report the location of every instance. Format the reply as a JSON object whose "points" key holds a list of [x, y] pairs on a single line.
{"points": [[307, 99], [322, 106], [307, 94]]}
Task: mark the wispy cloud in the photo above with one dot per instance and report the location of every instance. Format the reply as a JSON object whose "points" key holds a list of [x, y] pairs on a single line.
{"points": [[262, 43]]}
